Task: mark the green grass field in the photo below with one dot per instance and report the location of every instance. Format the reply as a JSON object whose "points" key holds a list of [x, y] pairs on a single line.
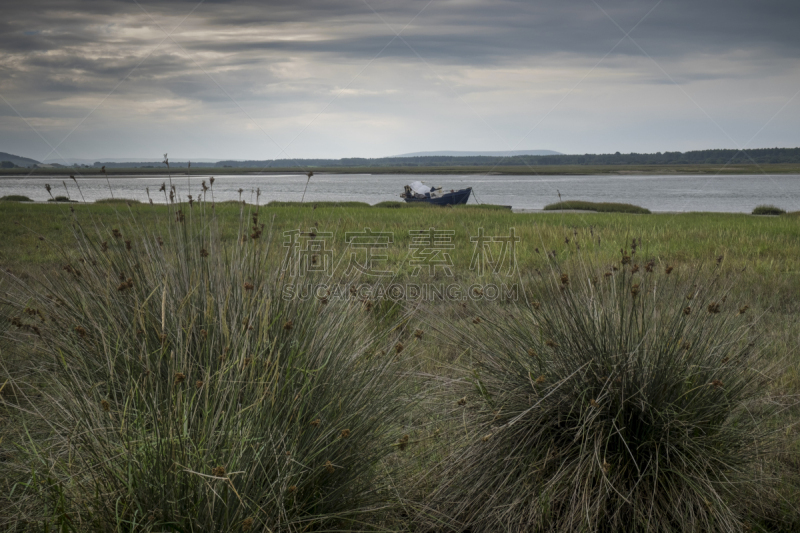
{"points": [[34, 235], [191, 310]]}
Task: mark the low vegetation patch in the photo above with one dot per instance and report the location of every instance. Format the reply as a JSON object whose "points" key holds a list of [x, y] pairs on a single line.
{"points": [[60, 199], [600, 207], [393, 204], [15, 198], [314, 205], [768, 210], [117, 201]]}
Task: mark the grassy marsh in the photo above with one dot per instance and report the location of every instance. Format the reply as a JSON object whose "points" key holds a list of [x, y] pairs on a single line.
{"points": [[755, 260]]}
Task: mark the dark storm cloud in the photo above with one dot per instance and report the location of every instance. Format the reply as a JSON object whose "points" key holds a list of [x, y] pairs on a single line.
{"points": [[77, 46], [461, 32]]}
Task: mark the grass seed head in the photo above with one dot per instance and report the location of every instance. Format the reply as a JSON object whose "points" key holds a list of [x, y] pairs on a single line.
{"points": [[329, 468], [179, 378], [218, 471], [345, 433]]}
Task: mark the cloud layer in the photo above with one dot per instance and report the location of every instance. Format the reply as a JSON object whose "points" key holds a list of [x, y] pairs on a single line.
{"points": [[330, 78]]}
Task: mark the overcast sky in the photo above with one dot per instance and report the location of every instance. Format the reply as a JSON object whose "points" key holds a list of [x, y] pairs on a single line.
{"points": [[372, 78]]}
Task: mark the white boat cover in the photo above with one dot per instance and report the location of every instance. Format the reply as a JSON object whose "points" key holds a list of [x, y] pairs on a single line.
{"points": [[419, 187]]}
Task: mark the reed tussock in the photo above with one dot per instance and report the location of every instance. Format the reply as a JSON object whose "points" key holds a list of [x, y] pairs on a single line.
{"points": [[175, 388], [630, 401]]}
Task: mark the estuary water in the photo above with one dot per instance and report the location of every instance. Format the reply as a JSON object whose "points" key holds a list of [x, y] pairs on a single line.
{"points": [[671, 193]]}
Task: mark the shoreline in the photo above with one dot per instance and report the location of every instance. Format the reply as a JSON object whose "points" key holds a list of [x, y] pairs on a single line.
{"points": [[514, 210], [544, 170]]}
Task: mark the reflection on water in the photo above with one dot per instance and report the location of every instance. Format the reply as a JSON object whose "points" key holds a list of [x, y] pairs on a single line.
{"points": [[657, 193]]}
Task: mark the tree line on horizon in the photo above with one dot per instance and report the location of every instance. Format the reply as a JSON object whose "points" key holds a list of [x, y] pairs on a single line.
{"points": [[758, 156], [698, 157]]}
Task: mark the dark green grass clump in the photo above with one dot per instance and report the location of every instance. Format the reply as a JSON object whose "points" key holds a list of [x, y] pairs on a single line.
{"points": [[117, 201], [181, 390], [314, 205], [600, 207], [15, 198], [768, 210], [60, 199], [627, 401], [394, 204]]}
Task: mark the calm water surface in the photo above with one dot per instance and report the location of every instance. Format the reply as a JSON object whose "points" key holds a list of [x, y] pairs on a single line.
{"points": [[656, 192]]}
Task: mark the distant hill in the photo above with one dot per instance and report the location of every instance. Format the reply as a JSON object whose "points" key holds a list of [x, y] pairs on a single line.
{"points": [[18, 160], [150, 164], [125, 160], [508, 153]]}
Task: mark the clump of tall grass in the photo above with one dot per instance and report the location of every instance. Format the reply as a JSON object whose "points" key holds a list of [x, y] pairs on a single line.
{"points": [[600, 207], [182, 391], [630, 399], [768, 210]]}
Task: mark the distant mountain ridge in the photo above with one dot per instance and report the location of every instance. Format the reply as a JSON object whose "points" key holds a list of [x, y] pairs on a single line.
{"points": [[456, 153], [18, 160]]}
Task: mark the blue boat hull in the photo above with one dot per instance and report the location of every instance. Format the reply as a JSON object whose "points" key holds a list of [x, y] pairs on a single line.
{"points": [[451, 198]]}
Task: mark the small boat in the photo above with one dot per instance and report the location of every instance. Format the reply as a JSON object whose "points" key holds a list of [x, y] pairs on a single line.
{"points": [[419, 192]]}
